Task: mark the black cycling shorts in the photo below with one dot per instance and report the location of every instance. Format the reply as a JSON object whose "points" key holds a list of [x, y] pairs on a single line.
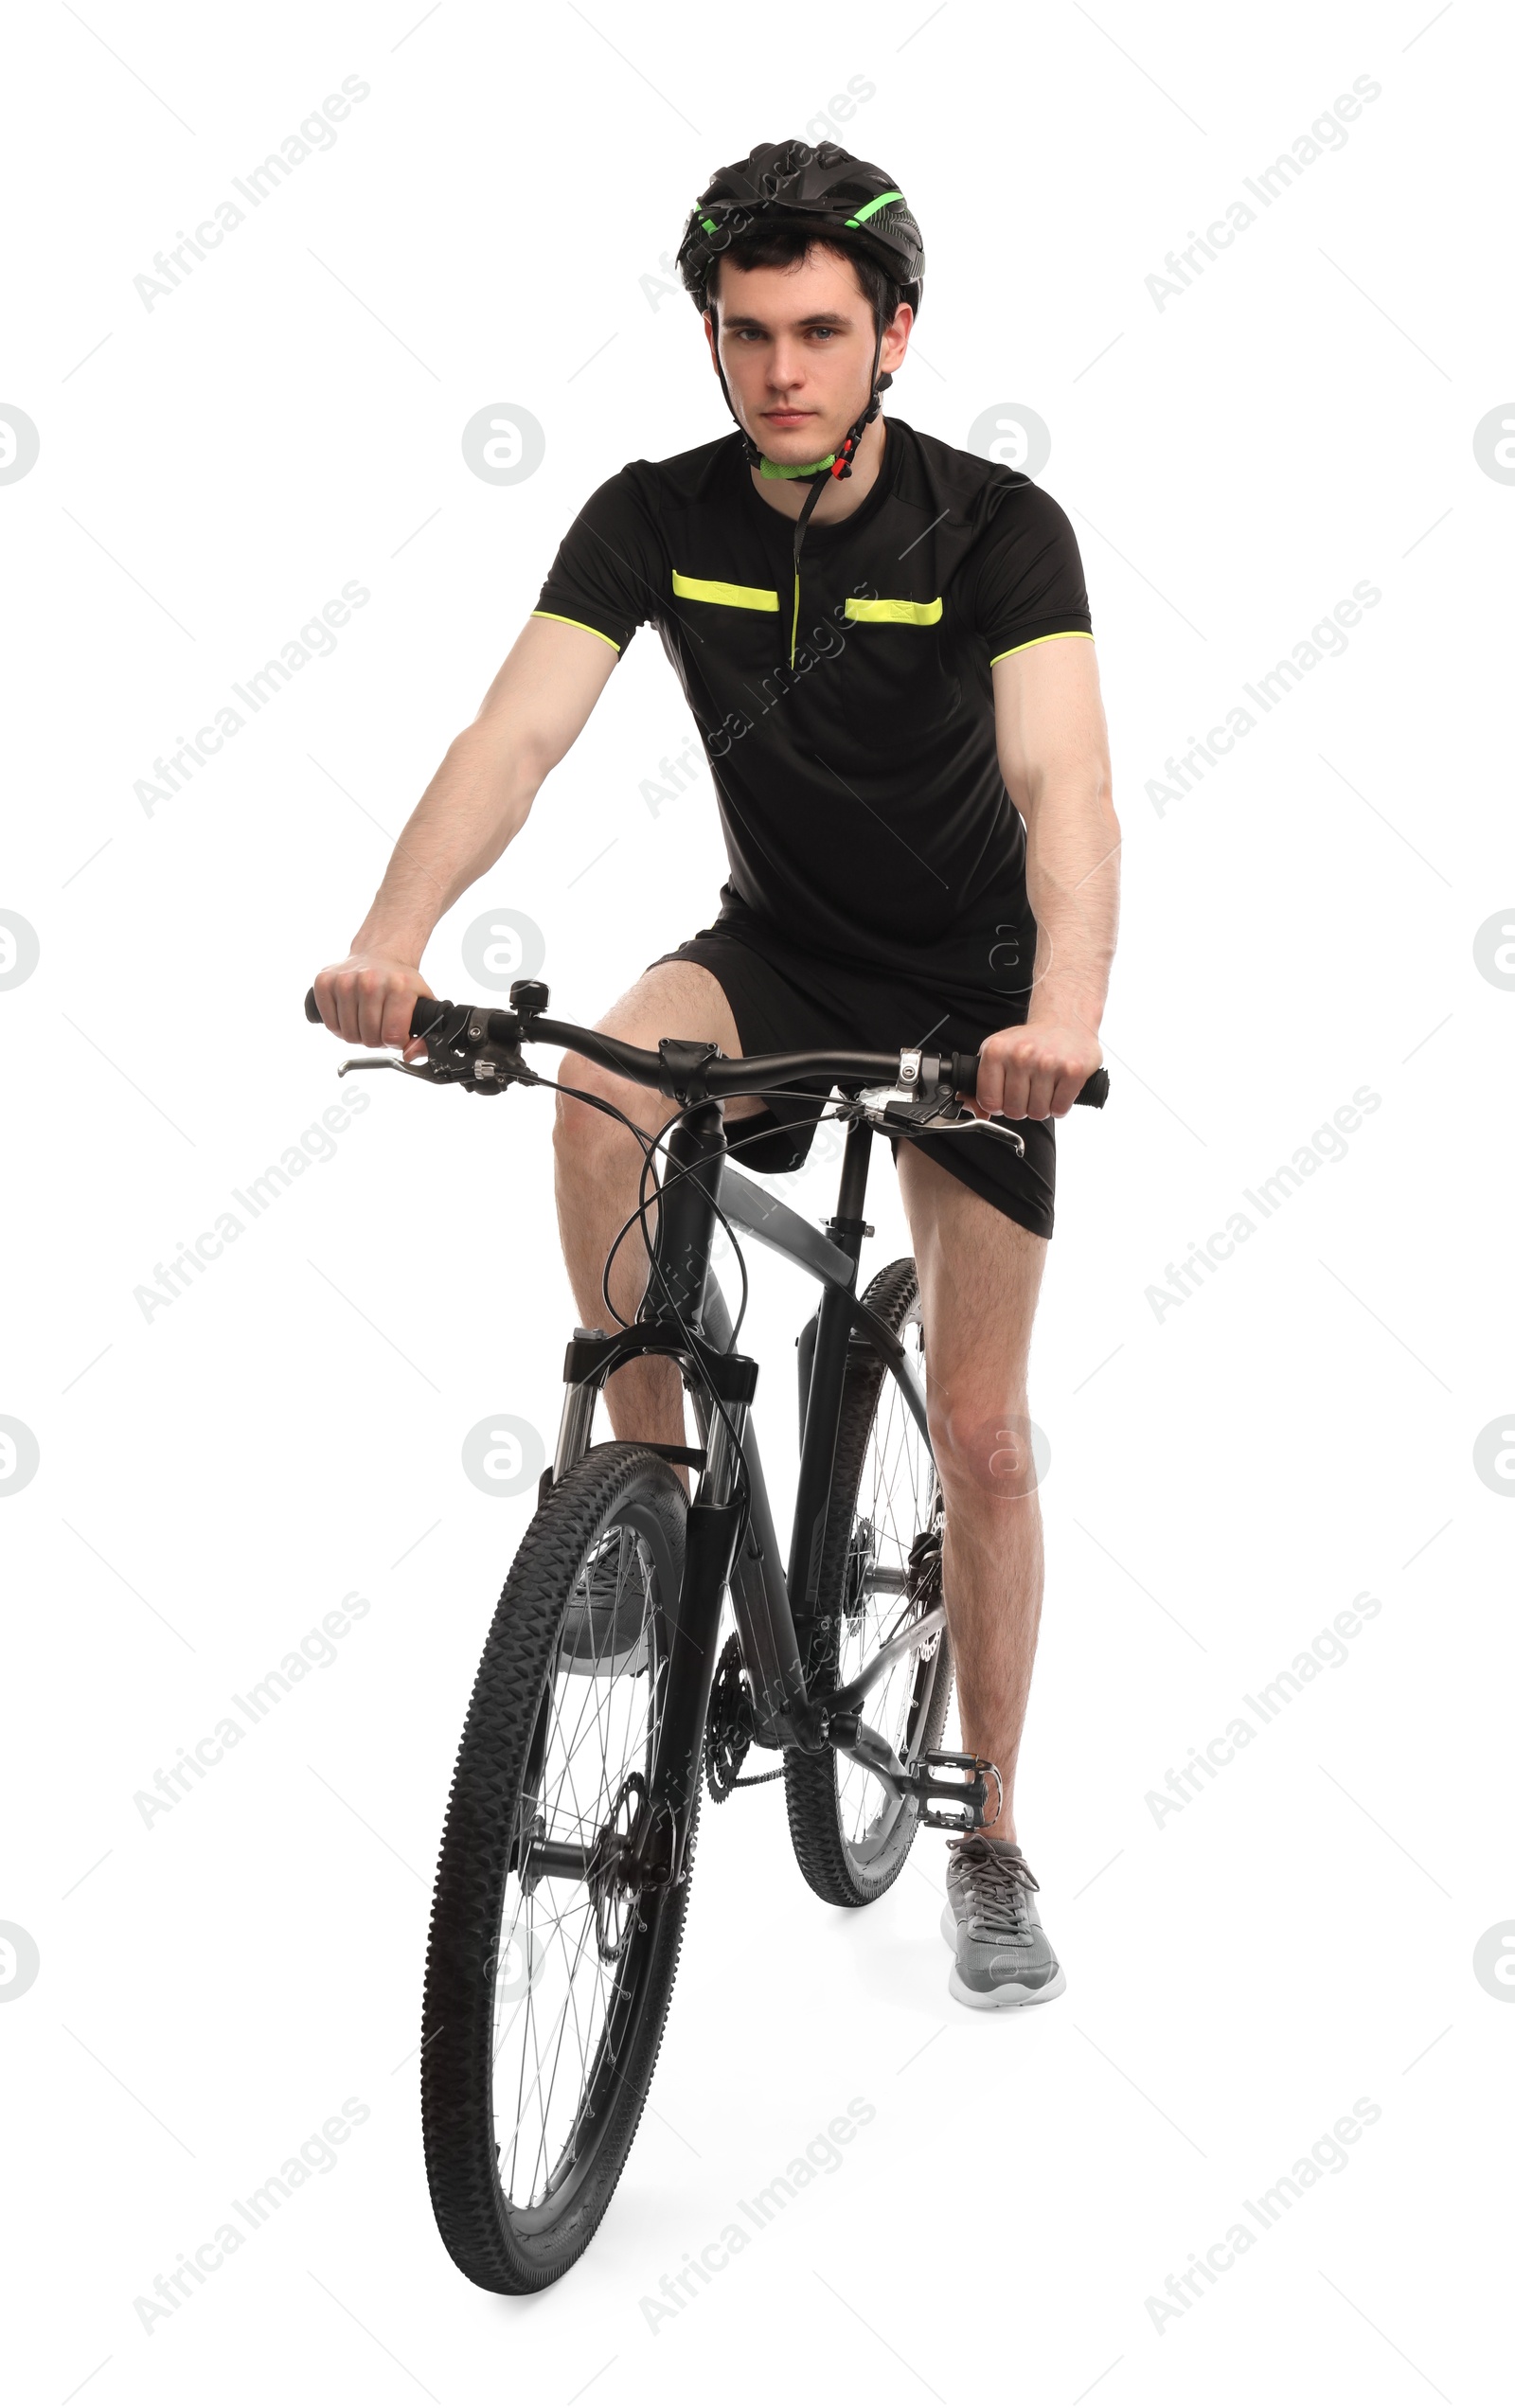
{"points": [[784, 1000]]}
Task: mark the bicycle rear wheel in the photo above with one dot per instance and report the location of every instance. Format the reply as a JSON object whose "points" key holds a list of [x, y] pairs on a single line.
{"points": [[546, 1993], [880, 1568]]}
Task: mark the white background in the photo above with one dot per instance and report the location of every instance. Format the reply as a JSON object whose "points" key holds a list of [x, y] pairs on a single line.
{"points": [[1223, 1480]]}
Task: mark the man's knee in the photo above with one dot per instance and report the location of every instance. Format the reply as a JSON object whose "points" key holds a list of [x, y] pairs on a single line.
{"points": [[585, 1126], [984, 1447]]}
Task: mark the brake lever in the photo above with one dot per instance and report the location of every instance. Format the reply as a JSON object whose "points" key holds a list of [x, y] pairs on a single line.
{"points": [[995, 1125], [432, 1073], [946, 1116], [486, 1073]]}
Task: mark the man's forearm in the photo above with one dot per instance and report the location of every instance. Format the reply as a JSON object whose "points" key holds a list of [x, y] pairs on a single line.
{"points": [[477, 803], [1073, 884]]}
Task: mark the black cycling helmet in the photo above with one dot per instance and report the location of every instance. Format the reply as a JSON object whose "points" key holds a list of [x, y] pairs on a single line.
{"points": [[857, 205]]}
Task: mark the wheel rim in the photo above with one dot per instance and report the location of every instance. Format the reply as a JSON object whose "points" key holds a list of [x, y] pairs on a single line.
{"points": [[899, 1502], [572, 1956]]}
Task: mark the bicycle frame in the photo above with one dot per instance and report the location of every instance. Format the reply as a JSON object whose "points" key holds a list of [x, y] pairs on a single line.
{"points": [[772, 1601], [683, 1314]]}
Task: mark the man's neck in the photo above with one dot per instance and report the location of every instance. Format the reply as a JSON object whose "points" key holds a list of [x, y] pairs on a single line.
{"points": [[843, 494]]}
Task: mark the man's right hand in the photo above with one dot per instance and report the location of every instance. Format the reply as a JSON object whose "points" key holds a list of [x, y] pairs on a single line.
{"points": [[368, 1000]]}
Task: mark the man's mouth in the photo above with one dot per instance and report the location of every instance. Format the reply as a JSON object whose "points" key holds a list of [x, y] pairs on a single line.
{"points": [[788, 417]]}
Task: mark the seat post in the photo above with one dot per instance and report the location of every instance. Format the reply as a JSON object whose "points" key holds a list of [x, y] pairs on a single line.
{"points": [[847, 1227]]}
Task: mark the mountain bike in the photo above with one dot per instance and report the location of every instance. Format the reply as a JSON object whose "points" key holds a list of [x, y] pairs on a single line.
{"points": [[563, 1874]]}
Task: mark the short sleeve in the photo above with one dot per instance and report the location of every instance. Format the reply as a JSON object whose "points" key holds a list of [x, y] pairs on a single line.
{"points": [[608, 574], [1029, 585]]}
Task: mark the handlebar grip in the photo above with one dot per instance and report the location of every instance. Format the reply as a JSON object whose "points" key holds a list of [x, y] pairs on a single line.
{"points": [[427, 1012], [1094, 1090]]}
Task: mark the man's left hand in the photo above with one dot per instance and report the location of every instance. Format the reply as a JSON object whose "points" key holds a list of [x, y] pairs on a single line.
{"points": [[1034, 1072]]}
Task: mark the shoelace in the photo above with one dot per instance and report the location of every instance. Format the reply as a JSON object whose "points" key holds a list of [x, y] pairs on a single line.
{"points": [[998, 1885]]}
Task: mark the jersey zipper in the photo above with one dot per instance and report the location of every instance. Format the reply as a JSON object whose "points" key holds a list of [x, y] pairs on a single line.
{"points": [[800, 525]]}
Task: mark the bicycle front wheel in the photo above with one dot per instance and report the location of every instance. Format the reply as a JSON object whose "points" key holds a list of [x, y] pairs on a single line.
{"points": [[548, 1977], [881, 1570]]}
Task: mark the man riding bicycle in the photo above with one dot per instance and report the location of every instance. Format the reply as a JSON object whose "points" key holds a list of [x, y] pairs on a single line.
{"points": [[885, 643]]}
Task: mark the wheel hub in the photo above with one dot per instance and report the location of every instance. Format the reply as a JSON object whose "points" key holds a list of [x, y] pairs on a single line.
{"points": [[614, 1883]]}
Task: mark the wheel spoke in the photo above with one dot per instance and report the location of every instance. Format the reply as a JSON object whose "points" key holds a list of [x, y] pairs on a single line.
{"points": [[897, 1498]]}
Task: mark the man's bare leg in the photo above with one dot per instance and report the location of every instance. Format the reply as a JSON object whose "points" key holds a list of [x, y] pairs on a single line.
{"points": [[980, 1274], [599, 1163]]}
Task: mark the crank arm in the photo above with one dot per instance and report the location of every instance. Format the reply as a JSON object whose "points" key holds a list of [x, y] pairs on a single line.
{"points": [[848, 1700], [850, 1736]]}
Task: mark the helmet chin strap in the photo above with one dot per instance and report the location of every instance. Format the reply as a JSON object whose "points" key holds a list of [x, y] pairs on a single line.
{"points": [[837, 463]]}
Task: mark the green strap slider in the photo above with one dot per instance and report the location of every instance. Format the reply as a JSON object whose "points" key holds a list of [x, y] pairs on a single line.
{"points": [[771, 468]]}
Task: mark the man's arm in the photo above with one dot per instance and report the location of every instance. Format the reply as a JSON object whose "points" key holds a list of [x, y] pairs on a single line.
{"points": [[478, 800], [1055, 759]]}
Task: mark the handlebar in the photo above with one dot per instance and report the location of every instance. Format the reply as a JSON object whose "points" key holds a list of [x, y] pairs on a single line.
{"points": [[485, 1041]]}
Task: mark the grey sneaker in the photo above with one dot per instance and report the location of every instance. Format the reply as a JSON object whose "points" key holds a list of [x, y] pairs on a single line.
{"points": [[1001, 1956], [602, 1630]]}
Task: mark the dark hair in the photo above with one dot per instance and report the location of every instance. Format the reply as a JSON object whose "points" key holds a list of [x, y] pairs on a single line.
{"points": [[776, 244]]}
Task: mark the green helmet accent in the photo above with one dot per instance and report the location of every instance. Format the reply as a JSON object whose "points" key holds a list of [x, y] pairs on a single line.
{"points": [[864, 215]]}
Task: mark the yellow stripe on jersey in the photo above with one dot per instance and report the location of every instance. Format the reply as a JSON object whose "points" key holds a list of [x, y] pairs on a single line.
{"points": [[897, 614], [734, 597], [578, 622], [1062, 635]]}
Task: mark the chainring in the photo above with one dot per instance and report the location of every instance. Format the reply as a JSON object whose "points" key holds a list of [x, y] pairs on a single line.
{"points": [[729, 1725]]}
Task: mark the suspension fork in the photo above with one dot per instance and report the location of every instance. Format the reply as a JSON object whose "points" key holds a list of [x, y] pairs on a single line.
{"points": [[681, 1253], [758, 1591], [677, 1290], [686, 1228], [694, 1629]]}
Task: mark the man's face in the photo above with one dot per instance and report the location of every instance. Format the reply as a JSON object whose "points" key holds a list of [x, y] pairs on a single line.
{"points": [[796, 343]]}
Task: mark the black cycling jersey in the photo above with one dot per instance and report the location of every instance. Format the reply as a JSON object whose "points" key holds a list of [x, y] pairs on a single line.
{"points": [[848, 714]]}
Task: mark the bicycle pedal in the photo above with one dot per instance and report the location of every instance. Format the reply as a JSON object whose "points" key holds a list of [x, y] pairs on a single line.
{"points": [[971, 1795]]}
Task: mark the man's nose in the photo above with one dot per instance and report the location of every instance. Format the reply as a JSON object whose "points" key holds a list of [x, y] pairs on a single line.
{"points": [[786, 366]]}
